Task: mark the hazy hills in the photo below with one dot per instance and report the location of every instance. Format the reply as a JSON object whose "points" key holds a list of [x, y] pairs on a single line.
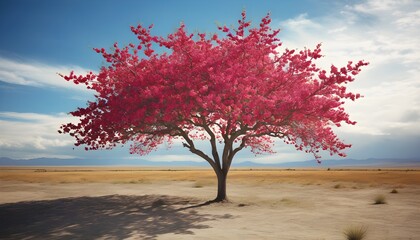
{"points": [[371, 162]]}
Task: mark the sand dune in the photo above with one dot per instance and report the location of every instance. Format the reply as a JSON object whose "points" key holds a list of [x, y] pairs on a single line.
{"points": [[92, 203]]}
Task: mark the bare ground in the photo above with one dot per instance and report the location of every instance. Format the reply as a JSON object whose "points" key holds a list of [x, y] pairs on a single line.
{"points": [[92, 203]]}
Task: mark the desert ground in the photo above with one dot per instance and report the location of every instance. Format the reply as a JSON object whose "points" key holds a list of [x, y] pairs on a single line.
{"points": [[151, 203]]}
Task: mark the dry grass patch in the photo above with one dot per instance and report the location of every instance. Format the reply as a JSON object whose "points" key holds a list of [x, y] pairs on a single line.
{"points": [[200, 183], [287, 201], [290, 202], [255, 176]]}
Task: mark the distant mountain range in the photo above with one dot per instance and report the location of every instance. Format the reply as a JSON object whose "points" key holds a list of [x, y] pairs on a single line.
{"points": [[371, 162]]}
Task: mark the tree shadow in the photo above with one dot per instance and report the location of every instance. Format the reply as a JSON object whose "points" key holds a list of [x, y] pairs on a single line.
{"points": [[109, 217]]}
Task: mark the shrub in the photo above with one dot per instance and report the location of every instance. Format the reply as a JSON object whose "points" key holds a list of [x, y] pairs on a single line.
{"points": [[380, 199], [394, 191], [355, 232]]}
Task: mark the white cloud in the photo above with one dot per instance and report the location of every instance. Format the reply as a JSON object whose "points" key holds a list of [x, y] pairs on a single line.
{"points": [[301, 23], [384, 33], [23, 131], [37, 74]]}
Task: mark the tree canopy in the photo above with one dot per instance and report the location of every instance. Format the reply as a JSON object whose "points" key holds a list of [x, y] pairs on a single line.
{"points": [[234, 87]]}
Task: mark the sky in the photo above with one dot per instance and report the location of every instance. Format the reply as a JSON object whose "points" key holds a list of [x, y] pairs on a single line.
{"points": [[42, 38]]}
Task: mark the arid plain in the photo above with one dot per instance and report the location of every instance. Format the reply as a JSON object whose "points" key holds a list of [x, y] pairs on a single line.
{"points": [[162, 203]]}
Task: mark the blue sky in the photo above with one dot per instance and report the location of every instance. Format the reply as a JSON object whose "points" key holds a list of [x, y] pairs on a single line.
{"points": [[40, 38]]}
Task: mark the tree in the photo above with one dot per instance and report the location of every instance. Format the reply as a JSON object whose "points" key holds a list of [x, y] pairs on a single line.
{"points": [[235, 90]]}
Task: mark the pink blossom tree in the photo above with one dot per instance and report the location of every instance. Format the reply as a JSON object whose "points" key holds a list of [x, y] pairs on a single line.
{"points": [[234, 89]]}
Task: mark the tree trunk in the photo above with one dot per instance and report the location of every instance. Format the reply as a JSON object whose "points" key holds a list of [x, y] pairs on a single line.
{"points": [[221, 187]]}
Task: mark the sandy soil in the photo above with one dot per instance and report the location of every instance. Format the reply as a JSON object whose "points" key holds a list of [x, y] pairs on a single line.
{"points": [[101, 203]]}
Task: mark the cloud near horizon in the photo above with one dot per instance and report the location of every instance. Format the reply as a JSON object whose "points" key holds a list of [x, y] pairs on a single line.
{"points": [[28, 135], [384, 33]]}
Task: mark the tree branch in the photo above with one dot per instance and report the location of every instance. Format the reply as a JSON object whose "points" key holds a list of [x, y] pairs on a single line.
{"points": [[212, 142], [239, 148], [191, 147]]}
